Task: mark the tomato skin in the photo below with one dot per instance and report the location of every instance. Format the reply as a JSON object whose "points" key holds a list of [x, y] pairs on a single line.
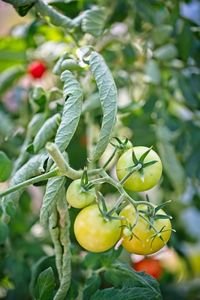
{"points": [[142, 244], [77, 197], [150, 266], [36, 69], [93, 232], [152, 173]]}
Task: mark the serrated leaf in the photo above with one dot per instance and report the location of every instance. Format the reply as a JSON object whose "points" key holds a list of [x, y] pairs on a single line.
{"points": [[72, 110], [108, 98], [128, 293], [9, 76], [5, 167], [45, 285], [46, 132], [91, 285], [94, 21], [53, 190], [121, 275]]}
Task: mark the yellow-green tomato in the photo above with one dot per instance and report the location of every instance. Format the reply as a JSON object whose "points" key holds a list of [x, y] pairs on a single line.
{"points": [[77, 197], [143, 240], [151, 174], [93, 232]]}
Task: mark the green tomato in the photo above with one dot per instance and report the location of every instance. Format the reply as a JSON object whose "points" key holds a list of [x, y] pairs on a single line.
{"points": [[93, 232], [77, 197], [142, 240], [151, 173]]}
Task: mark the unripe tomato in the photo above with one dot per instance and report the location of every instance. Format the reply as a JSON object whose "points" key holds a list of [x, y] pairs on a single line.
{"points": [[77, 197], [36, 69], [151, 174], [93, 232], [150, 266], [143, 240]]}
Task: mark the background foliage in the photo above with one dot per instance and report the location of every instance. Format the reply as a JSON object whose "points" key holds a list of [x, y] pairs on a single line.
{"points": [[152, 49]]}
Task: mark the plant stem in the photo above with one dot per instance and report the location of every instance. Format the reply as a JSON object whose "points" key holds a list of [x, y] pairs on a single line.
{"points": [[30, 181], [134, 169], [110, 158]]}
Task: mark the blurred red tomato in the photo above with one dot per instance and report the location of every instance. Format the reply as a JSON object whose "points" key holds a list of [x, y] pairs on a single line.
{"points": [[36, 69], [150, 266]]}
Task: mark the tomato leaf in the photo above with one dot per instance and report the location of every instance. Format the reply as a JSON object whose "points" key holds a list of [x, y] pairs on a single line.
{"points": [[34, 167], [42, 264], [5, 167], [45, 285], [125, 278], [108, 98], [93, 21], [53, 190], [46, 133], [172, 165], [9, 76], [91, 285], [72, 110]]}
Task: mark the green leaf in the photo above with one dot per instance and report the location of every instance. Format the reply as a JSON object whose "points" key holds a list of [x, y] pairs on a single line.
{"points": [[9, 76], [166, 52], [91, 285], [42, 264], [5, 167], [6, 125], [4, 231], [38, 99], [34, 167], [121, 275], [104, 259], [46, 132], [108, 98], [128, 293], [53, 190], [172, 165], [72, 110], [152, 71], [94, 21], [45, 285]]}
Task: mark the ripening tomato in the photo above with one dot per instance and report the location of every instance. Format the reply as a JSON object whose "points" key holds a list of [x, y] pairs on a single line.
{"points": [[93, 232], [151, 174], [77, 197], [150, 266], [36, 69], [143, 239]]}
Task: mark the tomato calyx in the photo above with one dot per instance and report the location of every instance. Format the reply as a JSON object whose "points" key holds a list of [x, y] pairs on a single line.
{"points": [[122, 145], [106, 214], [138, 165], [85, 184]]}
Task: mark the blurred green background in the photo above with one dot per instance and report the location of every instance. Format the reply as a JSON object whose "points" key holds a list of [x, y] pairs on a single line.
{"points": [[152, 49]]}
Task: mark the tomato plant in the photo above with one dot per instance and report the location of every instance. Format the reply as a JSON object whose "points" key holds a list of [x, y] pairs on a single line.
{"points": [[145, 231], [145, 178], [150, 266], [93, 232], [79, 197], [124, 75], [36, 69]]}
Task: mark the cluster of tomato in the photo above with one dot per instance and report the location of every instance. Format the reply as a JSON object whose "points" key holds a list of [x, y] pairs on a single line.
{"points": [[142, 229]]}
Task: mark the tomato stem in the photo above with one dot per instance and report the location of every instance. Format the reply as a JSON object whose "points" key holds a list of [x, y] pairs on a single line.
{"points": [[134, 169], [30, 181]]}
